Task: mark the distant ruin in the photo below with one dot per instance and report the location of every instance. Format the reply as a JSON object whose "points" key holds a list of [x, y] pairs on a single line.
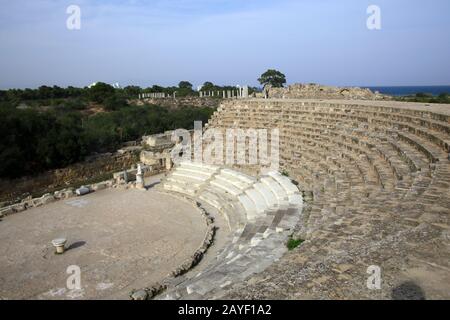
{"points": [[317, 91]]}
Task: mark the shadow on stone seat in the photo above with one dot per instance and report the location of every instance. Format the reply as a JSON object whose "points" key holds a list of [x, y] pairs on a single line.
{"points": [[408, 291], [76, 244], [151, 185]]}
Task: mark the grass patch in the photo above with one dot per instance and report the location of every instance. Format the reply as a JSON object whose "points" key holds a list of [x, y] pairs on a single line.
{"points": [[294, 243], [285, 173]]}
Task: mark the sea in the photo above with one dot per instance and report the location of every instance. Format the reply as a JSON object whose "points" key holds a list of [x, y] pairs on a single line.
{"points": [[405, 91]]}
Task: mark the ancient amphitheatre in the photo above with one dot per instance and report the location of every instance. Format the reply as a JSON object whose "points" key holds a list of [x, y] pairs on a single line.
{"points": [[362, 182]]}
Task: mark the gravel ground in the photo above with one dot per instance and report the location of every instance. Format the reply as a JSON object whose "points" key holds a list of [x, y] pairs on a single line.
{"points": [[120, 239]]}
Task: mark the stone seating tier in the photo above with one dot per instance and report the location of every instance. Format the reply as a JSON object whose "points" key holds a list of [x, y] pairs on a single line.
{"points": [[260, 213], [376, 183]]}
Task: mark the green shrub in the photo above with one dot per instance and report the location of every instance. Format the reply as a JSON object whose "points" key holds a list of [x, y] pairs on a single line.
{"points": [[75, 104], [294, 243], [114, 102], [285, 173], [32, 141]]}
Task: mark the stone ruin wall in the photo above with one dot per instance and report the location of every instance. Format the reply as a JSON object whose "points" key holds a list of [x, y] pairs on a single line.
{"points": [[172, 103], [316, 91], [152, 151], [93, 170]]}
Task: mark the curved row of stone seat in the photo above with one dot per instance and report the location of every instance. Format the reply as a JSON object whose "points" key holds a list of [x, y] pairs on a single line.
{"points": [[388, 158], [253, 117], [433, 154], [386, 148], [428, 119], [424, 140], [295, 136], [361, 113], [368, 168], [260, 213]]}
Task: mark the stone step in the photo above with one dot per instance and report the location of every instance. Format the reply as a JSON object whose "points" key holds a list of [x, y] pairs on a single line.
{"points": [[243, 177], [232, 180], [276, 189], [193, 174], [249, 206], [285, 182], [269, 197], [226, 186], [258, 200], [199, 167], [184, 181]]}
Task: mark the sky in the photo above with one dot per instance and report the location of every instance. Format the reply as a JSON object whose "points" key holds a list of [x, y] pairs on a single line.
{"points": [[231, 42]]}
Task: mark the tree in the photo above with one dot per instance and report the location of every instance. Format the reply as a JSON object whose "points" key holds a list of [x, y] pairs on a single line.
{"points": [[208, 84], [185, 85], [75, 104], [132, 91], [45, 92], [272, 77], [100, 91], [156, 88]]}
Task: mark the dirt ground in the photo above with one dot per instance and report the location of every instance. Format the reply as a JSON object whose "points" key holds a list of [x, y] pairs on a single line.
{"points": [[120, 239]]}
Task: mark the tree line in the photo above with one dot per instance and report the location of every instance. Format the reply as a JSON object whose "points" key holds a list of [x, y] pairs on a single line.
{"points": [[52, 127], [33, 140], [100, 93], [113, 97]]}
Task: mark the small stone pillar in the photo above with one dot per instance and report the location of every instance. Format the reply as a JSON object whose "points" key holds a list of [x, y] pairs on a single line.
{"points": [[59, 245], [140, 178], [245, 92], [169, 164]]}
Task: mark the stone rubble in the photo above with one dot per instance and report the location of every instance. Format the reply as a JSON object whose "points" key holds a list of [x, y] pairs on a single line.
{"points": [[316, 91]]}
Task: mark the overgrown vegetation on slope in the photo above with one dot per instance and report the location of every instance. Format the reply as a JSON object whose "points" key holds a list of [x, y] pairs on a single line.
{"points": [[54, 129], [98, 93]]}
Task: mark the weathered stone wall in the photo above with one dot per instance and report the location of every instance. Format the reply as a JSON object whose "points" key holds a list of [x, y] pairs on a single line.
{"points": [[95, 169], [30, 202], [316, 91], [182, 102]]}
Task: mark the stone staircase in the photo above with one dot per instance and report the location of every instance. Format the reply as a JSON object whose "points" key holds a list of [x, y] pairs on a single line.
{"points": [[260, 212]]}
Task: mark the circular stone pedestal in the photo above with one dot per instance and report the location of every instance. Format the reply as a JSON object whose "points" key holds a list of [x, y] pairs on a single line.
{"points": [[59, 245]]}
